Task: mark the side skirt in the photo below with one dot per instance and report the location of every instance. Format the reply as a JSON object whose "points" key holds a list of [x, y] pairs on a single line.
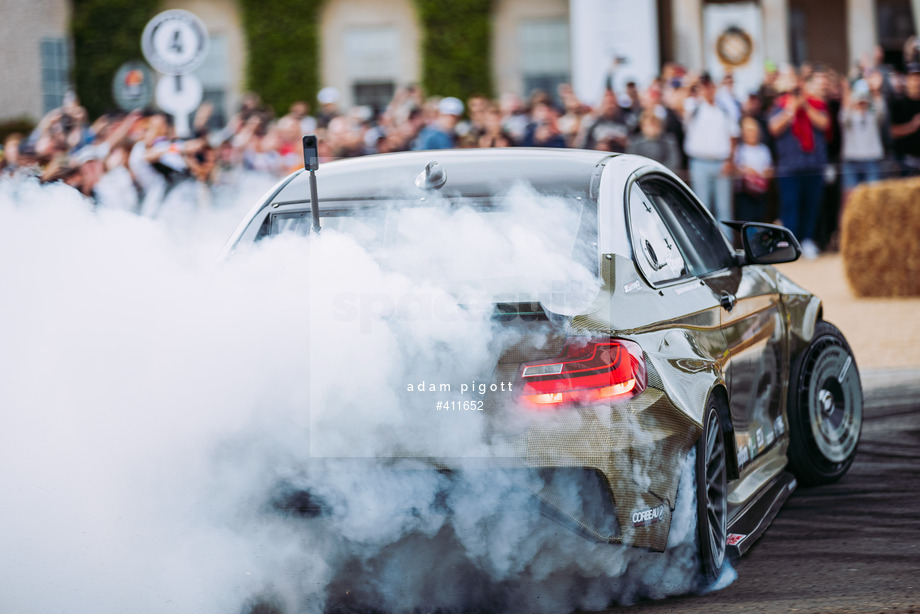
{"points": [[753, 520]]}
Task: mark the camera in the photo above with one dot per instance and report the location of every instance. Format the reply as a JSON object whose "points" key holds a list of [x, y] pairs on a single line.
{"points": [[67, 123]]}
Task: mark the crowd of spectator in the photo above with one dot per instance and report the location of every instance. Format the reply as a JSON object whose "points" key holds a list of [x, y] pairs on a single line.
{"points": [[790, 151]]}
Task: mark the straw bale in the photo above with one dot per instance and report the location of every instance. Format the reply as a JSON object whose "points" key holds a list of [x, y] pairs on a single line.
{"points": [[880, 238]]}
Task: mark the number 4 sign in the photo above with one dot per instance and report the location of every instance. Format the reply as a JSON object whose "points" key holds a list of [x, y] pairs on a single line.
{"points": [[175, 42]]}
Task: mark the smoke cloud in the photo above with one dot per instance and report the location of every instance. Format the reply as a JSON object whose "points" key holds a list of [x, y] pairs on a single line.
{"points": [[186, 435]]}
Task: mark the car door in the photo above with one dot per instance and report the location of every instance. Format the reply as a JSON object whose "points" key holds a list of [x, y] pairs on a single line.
{"points": [[688, 310], [753, 328], [751, 318]]}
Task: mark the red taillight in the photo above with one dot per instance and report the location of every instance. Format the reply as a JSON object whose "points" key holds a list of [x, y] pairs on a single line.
{"points": [[586, 372]]}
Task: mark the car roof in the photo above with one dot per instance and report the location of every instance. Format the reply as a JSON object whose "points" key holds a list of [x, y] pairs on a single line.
{"points": [[470, 172]]}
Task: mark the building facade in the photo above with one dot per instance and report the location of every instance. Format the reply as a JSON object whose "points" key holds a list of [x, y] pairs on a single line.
{"points": [[370, 47], [35, 71]]}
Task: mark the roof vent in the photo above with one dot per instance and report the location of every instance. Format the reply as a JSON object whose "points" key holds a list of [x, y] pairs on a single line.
{"points": [[432, 178]]}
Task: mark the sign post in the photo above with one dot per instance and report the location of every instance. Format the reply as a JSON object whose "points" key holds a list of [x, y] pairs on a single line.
{"points": [[179, 95], [175, 43], [132, 87], [734, 43]]}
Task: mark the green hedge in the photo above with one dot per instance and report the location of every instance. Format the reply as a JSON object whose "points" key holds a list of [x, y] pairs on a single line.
{"points": [[283, 61], [106, 34], [456, 46]]}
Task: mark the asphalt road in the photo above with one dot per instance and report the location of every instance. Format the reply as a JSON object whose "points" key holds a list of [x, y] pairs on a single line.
{"points": [[850, 547]]}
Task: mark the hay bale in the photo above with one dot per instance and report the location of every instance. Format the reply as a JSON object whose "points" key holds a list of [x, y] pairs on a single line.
{"points": [[880, 238]]}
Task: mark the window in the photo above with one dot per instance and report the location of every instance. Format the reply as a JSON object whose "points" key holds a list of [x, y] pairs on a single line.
{"points": [[699, 238], [390, 224], [373, 63], [818, 32], [375, 94], [213, 76], [366, 225], [654, 247], [895, 26], [55, 58], [543, 45], [798, 40]]}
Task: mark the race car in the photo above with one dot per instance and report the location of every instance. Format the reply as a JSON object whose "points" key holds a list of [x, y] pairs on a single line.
{"points": [[686, 345]]}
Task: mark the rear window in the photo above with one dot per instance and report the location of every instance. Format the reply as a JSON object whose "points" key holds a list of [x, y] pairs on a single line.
{"points": [[455, 230]]}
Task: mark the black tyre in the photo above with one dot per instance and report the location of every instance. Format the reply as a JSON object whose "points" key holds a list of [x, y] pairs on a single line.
{"points": [[825, 409], [711, 494]]}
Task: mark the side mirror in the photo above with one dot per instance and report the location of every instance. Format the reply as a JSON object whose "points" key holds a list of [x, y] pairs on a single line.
{"points": [[768, 243]]}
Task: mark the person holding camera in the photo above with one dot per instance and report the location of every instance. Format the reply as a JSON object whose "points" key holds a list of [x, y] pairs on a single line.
{"points": [[905, 122], [799, 123]]}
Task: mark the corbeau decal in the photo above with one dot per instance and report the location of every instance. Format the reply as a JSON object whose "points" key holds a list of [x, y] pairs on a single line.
{"points": [[646, 517]]}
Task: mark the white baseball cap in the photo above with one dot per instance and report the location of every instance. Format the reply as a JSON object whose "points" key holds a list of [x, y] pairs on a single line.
{"points": [[328, 95], [450, 106]]}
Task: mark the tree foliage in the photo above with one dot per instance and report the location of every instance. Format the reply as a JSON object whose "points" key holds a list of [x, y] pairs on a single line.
{"points": [[283, 60], [106, 34], [456, 46]]}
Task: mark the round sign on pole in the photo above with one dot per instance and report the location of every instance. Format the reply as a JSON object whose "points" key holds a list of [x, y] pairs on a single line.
{"points": [[175, 42], [132, 87], [179, 95]]}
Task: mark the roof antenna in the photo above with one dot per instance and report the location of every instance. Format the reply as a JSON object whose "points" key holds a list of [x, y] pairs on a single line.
{"points": [[311, 163]]}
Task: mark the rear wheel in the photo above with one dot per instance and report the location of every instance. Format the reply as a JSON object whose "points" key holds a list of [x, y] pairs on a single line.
{"points": [[825, 409], [711, 494]]}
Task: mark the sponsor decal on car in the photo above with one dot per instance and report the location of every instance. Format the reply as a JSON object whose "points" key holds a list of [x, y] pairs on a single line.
{"points": [[779, 426], [644, 518], [632, 286], [734, 539], [743, 455], [759, 438]]}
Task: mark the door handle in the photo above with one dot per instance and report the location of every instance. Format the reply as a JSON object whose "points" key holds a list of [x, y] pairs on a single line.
{"points": [[728, 300]]}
